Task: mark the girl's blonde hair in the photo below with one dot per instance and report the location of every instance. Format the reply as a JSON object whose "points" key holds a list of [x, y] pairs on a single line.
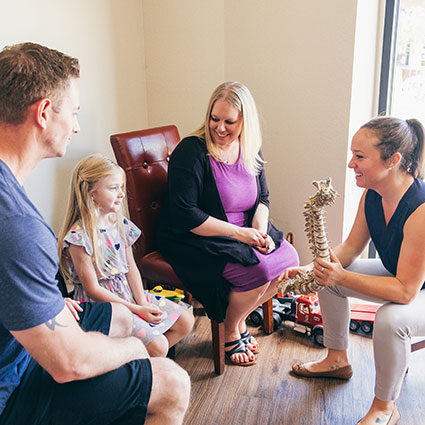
{"points": [[87, 173], [237, 95]]}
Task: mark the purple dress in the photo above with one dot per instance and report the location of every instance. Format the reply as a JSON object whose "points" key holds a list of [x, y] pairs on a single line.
{"points": [[238, 193]]}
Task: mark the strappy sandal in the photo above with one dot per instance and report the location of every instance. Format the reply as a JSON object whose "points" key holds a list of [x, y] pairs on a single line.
{"points": [[246, 338], [239, 348]]}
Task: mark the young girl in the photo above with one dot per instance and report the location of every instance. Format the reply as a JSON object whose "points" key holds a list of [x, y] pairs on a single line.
{"points": [[96, 256]]}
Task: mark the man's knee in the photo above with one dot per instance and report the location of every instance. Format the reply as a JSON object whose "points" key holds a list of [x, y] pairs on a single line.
{"points": [[170, 384], [121, 321]]}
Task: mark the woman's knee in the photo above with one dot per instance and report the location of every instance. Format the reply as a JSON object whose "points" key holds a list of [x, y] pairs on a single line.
{"points": [[389, 321], [292, 258], [121, 321], [263, 289]]}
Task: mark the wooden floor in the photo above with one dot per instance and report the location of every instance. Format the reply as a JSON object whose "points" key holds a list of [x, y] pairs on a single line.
{"points": [[266, 394]]}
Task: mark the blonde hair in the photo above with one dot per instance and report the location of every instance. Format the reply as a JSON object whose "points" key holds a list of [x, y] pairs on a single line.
{"points": [[237, 95], [87, 173]]}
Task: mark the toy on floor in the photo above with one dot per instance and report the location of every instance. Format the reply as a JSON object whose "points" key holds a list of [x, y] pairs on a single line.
{"points": [[173, 295], [362, 317], [303, 313], [314, 215]]}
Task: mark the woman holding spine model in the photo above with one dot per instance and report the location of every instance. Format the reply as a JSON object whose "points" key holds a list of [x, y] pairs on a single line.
{"points": [[388, 163]]}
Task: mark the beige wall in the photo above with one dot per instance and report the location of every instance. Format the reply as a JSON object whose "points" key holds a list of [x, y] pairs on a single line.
{"points": [[364, 90], [296, 58], [107, 37], [184, 52], [153, 62]]}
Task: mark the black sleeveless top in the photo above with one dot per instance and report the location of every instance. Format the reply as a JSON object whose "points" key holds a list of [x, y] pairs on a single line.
{"points": [[388, 239]]}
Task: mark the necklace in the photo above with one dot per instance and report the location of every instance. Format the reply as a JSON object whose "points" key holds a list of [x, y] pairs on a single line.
{"points": [[230, 153]]}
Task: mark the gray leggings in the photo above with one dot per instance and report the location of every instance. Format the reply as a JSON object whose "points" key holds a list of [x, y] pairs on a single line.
{"points": [[394, 325]]}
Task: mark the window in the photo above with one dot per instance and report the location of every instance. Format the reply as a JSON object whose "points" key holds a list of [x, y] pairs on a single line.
{"points": [[402, 89], [402, 82]]}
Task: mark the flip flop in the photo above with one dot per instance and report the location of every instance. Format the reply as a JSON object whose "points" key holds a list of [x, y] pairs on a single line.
{"points": [[239, 348], [246, 339]]}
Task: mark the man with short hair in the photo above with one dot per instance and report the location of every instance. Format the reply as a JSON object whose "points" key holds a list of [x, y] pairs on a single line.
{"points": [[51, 370]]}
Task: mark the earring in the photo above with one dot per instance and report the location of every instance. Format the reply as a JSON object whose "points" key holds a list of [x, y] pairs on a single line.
{"points": [[390, 168]]}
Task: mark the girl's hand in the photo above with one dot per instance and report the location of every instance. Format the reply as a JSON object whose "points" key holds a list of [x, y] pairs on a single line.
{"points": [[329, 273], [149, 312], [251, 236], [268, 247], [74, 307], [293, 272]]}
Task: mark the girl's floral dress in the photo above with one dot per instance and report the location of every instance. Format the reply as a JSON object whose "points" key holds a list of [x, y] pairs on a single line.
{"points": [[113, 248]]}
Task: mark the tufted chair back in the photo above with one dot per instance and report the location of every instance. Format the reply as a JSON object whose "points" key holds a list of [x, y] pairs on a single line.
{"points": [[144, 156]]}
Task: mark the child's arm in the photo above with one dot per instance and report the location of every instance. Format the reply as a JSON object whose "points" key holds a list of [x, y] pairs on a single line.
{"points": [[134, 279], [87, 274]]}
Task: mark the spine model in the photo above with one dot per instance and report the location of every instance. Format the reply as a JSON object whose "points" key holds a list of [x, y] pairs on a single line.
{"points": [[314, 215]]}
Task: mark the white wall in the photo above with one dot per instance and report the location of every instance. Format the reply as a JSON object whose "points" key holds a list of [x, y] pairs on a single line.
{"points": [[297, 59], [107, 37]]}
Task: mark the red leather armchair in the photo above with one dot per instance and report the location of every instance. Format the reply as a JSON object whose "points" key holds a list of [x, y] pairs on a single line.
{"points": [[144, 156]]}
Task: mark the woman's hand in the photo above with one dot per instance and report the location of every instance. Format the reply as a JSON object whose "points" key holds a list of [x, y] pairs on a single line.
{"points": [[293, 272], [268, 247], [251, 236], [149, 312], [329, 273], [74, 307]]}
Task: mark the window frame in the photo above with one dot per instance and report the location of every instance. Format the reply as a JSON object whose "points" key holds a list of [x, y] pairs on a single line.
{"points": [[389, 42]]}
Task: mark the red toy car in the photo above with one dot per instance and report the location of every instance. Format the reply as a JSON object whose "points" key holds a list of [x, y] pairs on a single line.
{"points": [[303, 312]]}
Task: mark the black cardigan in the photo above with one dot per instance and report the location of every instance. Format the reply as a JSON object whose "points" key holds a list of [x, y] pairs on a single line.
{"points": [[192, 197]]}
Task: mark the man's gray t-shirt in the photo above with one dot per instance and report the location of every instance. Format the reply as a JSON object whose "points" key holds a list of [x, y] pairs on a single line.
{"points": [[29, 295]]}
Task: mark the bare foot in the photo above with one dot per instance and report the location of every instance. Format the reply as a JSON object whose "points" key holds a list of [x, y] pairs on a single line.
{"points": [[253, 344], [335, 359], [239, 356], [250, 342], [325, 365], [381, 412]]}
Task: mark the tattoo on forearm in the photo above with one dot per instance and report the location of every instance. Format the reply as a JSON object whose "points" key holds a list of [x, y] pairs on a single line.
{"points": [[51, 324]]}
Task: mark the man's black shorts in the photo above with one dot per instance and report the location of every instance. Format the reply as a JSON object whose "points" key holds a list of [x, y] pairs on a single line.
{"points": [[117, 397]]}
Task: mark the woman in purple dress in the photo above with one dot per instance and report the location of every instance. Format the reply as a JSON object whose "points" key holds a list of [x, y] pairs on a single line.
{"points": [[215, 229]]}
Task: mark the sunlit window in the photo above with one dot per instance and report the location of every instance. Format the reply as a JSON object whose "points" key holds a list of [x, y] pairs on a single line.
{"points": [[405, 97], [402, 87]]}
